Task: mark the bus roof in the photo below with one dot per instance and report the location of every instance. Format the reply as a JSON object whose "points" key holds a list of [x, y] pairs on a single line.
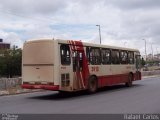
{"points": [[84, 43], [100, 45]]}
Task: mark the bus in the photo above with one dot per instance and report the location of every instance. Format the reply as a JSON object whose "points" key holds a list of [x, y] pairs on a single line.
{"points": [[69, 65]]}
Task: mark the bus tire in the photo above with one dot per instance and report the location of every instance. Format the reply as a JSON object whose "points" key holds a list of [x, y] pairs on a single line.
{"points": [[130, 80], [92, 84]]}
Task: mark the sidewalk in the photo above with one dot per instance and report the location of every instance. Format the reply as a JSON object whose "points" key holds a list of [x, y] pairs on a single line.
{"points": [[151, 76], [15, 91]]}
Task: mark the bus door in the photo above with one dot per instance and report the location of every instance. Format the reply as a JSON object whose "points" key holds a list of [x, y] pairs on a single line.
{"points": [[78, 69], [138, 67], [138, 62]]}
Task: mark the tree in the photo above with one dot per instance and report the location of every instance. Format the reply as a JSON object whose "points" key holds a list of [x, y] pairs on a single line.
{"points": [[10, 62], [143, 62]]}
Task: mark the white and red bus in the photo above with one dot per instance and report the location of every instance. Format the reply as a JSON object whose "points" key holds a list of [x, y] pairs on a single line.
{"points": [[67, 65]]}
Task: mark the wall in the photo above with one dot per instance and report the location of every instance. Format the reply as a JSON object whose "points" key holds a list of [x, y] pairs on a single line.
{"points": [[151, 73], [6, 83]]}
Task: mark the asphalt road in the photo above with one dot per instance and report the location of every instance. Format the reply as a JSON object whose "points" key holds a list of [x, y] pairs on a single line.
{"points": [[142, 97]]}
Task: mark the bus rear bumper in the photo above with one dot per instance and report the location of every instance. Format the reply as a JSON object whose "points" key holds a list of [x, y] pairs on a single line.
{"points": [[46, 87]]}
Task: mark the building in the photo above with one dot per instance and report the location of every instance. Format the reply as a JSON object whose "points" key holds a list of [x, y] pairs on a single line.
{"points": [[4, 45], [157, 57]]}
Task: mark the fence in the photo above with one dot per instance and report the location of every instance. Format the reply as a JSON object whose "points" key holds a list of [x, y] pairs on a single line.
{"points": [[6, 83]]}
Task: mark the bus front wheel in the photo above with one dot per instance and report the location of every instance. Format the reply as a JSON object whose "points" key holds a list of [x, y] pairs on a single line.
{"points": [[130, 80], [92, 84]]}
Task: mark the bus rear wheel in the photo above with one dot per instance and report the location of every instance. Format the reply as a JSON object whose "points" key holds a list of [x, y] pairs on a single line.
{"points": [[92, 84], [130, 80]]}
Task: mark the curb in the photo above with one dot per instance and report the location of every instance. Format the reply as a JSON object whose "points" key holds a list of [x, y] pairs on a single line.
{"points": [[151, 76], [6, 93]]}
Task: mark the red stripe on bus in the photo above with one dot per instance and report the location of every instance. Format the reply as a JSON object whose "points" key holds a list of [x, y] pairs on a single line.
{"points": [[85, 72], [109, 80], [83, 76], [46, 87]]}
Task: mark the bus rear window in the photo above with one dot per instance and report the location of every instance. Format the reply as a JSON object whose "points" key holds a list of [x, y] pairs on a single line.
{"points": [[65, 54]]}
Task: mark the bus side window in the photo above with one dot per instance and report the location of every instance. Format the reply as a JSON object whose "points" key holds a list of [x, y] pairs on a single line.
{"points": [[124, 57], [115, 57], [106, 56], [65, 54], [130, 57], [95, 56]]}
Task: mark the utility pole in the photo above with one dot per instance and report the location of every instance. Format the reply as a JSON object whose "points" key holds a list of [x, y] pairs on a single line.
{"points": [[157, 50], [145, 48], [99, 32], [152, 51]]}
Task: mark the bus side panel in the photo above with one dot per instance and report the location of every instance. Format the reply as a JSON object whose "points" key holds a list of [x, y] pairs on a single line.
{"points": [[112, 80], [111, 74]]}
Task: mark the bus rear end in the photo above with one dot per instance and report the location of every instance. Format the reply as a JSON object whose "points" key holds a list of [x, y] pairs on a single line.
{"points": [[38, 65]]}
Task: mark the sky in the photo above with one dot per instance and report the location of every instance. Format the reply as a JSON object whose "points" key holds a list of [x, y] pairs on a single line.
{"points": [[124, 23]]}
